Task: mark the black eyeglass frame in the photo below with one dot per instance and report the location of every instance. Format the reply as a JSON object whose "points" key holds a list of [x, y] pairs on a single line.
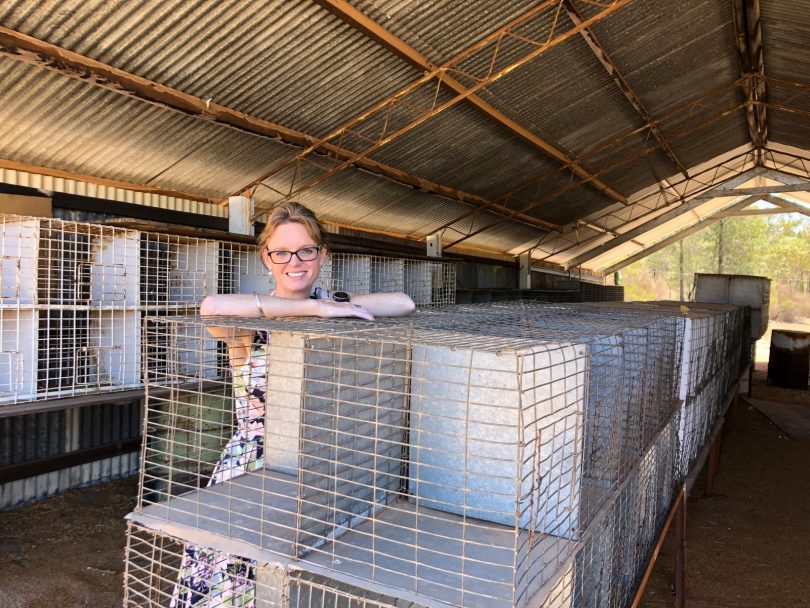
{"points": [[317, 249]]}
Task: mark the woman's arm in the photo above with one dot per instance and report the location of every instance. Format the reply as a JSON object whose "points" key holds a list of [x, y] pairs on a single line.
{"points": [[365, 306], [385, 304]]}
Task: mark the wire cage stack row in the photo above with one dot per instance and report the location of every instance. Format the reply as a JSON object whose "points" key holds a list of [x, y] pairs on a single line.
{"points": [[715, 352], [510, 454], [73, 296]]}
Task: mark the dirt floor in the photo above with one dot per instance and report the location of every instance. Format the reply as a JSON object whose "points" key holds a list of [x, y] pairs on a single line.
{"points": [[748, 544]]}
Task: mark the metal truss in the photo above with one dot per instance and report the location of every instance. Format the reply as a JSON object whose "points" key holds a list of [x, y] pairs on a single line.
{"points": [[482, 64]]}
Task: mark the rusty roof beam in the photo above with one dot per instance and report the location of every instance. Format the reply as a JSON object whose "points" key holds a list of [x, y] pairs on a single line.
{"points": [[613, 71], [532, 205], [678, 236], [749, 49], [370, 28], [101, 181], [26, 49]]}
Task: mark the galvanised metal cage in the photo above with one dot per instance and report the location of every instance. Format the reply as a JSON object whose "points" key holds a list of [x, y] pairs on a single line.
{"points": [[73, 296], [507, 454]]}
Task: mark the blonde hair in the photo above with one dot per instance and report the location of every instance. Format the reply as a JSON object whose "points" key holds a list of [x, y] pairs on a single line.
{"points": [[291, 211]]}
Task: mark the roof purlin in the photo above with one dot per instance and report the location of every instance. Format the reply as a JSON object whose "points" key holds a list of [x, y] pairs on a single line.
{"points": [[345, 11], [613, 71]]}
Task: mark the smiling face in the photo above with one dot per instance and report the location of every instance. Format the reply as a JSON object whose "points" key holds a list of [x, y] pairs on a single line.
{"points": [[295, 278]]}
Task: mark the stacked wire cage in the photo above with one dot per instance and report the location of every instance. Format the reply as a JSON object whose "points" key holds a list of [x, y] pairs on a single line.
{"points": [[73, 298], [507, 454], [715, 352]]}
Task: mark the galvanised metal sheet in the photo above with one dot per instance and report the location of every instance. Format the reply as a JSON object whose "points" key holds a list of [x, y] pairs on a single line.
{"points": [[713, 140], [504, 236], [31, 437], [668, 54], [467, 150], [788, 129], [567, 95], [360, 198], [441, 30], [69, 186], [785, 40], [288, 61], [93, 131]]}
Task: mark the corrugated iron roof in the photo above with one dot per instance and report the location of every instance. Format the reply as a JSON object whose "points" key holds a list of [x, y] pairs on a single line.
{"points": [[295, 64]]}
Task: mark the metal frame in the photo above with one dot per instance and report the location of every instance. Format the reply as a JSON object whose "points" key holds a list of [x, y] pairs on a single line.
{"points": [[613, 71], [422, 100], [20, 47], [350, 15], [749, 47]]}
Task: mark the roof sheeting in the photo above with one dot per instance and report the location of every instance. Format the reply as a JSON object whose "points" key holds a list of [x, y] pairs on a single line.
{"points": [[296, 64]]}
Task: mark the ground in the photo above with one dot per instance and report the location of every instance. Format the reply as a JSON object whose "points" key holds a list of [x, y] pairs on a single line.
{"points": [[68, 551], [748, 543]]}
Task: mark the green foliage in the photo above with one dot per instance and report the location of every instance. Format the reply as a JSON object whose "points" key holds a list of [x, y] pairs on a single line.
{"points": [[774, 246]]}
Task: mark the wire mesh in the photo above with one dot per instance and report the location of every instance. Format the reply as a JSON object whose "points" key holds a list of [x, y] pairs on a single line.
{"points": [[73, 296], [480, 455], [154, 562], [362, 465]]}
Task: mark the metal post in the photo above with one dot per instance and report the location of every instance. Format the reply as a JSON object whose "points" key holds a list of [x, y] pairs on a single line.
{"points": [[525, 271], [680, 555], [240, 210], [751, 366], [714, 463]]}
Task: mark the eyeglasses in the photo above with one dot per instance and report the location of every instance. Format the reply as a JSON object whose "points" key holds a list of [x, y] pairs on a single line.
{"points": [[305, 254]]}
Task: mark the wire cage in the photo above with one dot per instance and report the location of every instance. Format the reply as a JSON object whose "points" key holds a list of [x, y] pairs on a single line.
{"points": [[73, 296], [714, 352], [154, 564], [460, 456], [354, 460]]}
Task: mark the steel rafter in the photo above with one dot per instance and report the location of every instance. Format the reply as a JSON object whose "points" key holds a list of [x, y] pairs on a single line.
{"points": [[710, 191], [613, 71], [604, 148], [707, 221], [662, 244], [421, 101], [749, 46], [676, 194], [371, 29], [682, 113], [26, 49], [612, 167], [659, 220]]}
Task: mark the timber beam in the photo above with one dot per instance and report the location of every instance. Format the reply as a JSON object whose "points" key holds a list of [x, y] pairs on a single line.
{"points": [[26, 49]]}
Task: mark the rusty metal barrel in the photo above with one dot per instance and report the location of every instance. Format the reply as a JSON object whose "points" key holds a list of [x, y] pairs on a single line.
{"points": [[789, 360]]}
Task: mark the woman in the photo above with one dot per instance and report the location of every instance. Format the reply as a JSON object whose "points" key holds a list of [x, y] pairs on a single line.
{"points": [[293, 249]]}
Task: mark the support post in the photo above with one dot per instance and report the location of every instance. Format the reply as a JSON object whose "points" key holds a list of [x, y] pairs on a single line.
{"points": [[525, 270], [434, 245], [680, 555], [752, 366], [714, 463], [240, 210]]}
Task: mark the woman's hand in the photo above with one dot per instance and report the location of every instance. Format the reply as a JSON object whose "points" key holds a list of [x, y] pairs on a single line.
{"points": [[329, 309]]}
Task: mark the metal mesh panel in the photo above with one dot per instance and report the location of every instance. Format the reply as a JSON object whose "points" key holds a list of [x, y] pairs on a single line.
{"points": [[72, 297], [492, 454], [346, 476], [155, 560]]}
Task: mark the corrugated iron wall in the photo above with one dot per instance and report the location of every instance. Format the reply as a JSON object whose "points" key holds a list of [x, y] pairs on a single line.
{"points": [[44, 440]]}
